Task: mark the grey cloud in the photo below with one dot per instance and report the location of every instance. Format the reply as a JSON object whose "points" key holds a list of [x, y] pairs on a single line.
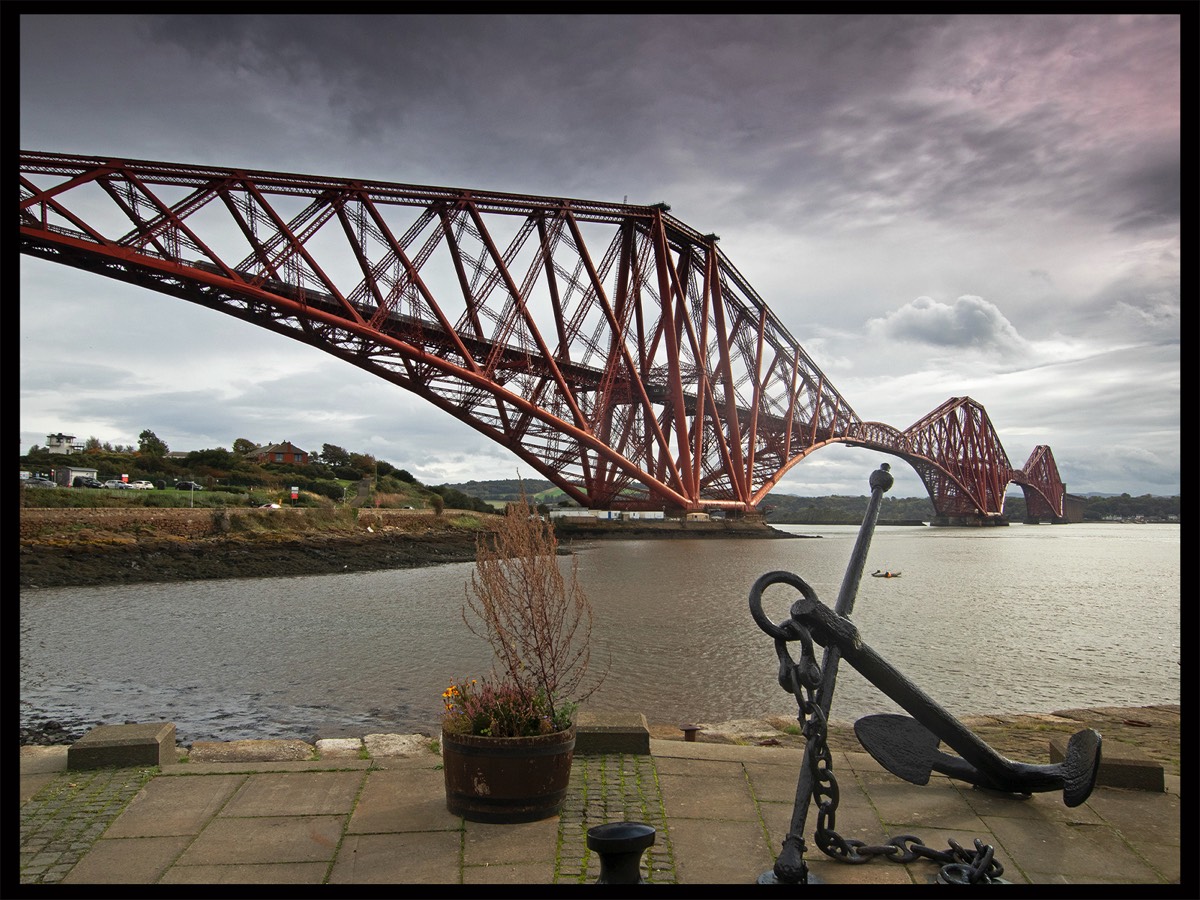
{"points": [[970, 322], [1143, 305], [1150, 191]]}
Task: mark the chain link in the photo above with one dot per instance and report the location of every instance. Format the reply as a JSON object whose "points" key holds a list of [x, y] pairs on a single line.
{"points": [[958, 866]]}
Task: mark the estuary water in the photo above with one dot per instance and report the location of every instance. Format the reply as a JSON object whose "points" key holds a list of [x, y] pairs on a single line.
{"points": [[998, 620]]}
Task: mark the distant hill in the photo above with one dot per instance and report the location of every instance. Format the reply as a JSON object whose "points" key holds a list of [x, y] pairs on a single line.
{"points": [[787, 509], [499, 492], [780, 508]]}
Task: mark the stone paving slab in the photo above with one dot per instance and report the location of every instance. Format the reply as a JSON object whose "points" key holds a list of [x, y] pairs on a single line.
{"points": [[175, 806], [418, 857], [394, 801], [295, 794], [265, 839], [128, 861], [354, 821]]}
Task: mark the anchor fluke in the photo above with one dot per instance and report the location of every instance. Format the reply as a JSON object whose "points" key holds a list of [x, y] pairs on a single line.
{"points": [[909, 750], [903, 746], [1081, 766]]}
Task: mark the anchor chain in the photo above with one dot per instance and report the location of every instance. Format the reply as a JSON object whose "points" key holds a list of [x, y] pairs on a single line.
{"points": [[801, 679]]}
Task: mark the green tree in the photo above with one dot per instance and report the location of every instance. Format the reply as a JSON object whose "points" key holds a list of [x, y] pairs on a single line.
{"points": [[316, 469], [92, 443], [333, 455], [363, 462], [149, 444], [214, 457], [242, 446]]}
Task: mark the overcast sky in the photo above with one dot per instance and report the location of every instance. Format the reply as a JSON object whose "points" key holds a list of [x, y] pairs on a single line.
{"points": [[934, 207]]}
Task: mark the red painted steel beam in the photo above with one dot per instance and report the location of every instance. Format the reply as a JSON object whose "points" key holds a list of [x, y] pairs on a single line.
{"points": [[649, 374]]}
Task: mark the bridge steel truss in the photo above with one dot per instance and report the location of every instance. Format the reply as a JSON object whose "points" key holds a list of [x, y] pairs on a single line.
{"points": [[958, 455], [609, 346]]}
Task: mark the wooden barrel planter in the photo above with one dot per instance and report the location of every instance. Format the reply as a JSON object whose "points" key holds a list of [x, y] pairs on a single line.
{"points": [[507, 780]]}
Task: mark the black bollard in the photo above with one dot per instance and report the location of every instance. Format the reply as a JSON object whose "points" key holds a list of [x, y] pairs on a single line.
{"points": [[620, 846]]}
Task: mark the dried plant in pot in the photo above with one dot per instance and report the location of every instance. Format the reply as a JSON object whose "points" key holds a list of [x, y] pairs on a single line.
{"points": [[508, 738]]}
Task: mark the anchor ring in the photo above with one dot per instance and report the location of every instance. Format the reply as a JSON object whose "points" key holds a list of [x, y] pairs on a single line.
{"points": [[756, 592]]}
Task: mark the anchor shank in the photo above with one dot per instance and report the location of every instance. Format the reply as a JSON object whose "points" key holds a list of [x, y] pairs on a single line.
{"points": [[847, 595], [858, 558], [832, 655]]}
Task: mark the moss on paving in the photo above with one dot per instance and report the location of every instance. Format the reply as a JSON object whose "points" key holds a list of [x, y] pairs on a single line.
{"points": [[604, 788], [65, 818]]}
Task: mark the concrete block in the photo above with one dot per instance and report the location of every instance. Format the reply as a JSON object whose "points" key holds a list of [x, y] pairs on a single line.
{"points": [[379, 745], [612, 733], [339, 748], [251, 751], [1121, 765], [124, 746]]}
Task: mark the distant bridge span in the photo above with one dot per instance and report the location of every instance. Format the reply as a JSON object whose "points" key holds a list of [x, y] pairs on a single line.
{"points": [[611, 347]]}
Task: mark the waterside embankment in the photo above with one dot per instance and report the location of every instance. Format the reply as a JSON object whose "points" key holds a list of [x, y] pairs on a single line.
{"points": [[92, 547]]}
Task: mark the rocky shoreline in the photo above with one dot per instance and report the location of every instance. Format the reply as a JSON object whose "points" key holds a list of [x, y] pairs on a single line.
{"points": [[44, 565], [128, 559]]}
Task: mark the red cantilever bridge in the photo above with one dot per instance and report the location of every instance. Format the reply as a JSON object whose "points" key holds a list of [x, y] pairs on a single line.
{"points": [[614, 349]]}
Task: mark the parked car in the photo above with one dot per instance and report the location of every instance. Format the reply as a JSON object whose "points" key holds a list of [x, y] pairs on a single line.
{"points": [[118, 484], [141, 485], [84, 481], [187, 486], [38, 482], [269, 506]]}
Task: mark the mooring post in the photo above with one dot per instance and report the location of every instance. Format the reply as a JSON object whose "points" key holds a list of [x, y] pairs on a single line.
{"points": [[620, 846]]}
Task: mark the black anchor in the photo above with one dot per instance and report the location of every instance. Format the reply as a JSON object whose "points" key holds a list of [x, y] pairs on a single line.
{"points": [[907, 747]]}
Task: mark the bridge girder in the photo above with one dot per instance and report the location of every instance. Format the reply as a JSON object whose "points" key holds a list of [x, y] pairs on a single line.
{"points": [[610, 346], [957, 454], [1042, 486]]}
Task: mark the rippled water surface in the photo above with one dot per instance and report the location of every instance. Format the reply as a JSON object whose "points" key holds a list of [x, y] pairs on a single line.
{"points": [[1017, 619]]}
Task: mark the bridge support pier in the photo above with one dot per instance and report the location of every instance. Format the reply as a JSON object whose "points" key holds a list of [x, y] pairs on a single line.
{"points": [[968, 521]]}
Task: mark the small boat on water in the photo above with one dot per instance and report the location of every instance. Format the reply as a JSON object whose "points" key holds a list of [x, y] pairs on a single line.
{"points": [[880, 574]]}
